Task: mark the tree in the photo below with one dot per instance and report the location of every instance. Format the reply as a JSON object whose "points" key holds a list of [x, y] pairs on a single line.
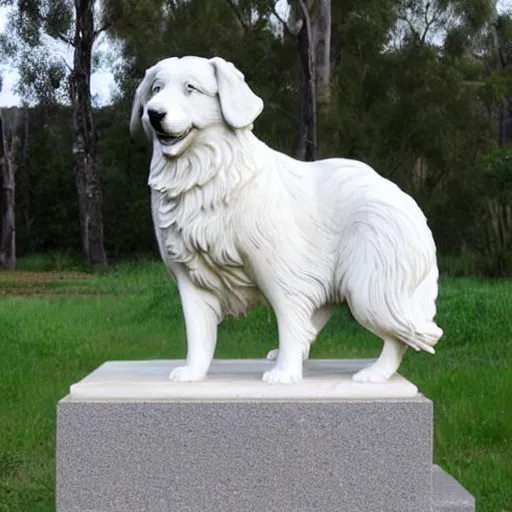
{"points": [[312, 52], [84, 135], [309, 23], [10, 120], [77, 24]]}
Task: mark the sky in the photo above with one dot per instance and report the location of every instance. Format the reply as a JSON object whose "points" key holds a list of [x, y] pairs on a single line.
{"points": [[102, 81]]}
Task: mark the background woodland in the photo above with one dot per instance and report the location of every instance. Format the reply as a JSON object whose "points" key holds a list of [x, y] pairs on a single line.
{"points": [[420, 90]]}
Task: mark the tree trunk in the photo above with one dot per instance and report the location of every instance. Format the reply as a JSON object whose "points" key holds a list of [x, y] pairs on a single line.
{"points": [[321, 34], [307, 144], [9, 144], [314, 48], [84, 138], [23, 183]]}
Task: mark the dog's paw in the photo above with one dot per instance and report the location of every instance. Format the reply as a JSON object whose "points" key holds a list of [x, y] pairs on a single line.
{"points": [[272, 355], [371, 374], [277, 376], [187, 374]]}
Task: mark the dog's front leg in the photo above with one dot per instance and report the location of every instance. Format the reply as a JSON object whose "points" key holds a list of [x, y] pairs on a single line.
{"points": [[201, 311]]}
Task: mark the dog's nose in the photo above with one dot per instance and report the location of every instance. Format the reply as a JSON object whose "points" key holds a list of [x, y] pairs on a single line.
{"points": [[155, 118]]}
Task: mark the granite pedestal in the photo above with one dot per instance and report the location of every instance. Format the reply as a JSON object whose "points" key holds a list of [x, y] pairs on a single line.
{"points": [[129, 440]]}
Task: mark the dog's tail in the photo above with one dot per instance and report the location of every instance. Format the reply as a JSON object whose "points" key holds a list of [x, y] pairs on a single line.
{"points": [[390, 279]]}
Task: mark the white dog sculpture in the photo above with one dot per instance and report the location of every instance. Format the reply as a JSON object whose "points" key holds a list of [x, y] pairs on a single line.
{"points": [[238, 224]]}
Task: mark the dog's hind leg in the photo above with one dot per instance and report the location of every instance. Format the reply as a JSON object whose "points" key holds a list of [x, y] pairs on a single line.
{"points": [[386, 365], [296, 332], [369, 309], [400, 318], [319, 320]]}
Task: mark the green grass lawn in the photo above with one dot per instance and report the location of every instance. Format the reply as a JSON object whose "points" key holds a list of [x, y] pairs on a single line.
{"points": [[55, 329]]}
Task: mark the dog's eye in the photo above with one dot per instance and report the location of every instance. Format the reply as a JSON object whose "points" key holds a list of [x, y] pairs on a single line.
{"points": [[190, 88], [156, 88]]}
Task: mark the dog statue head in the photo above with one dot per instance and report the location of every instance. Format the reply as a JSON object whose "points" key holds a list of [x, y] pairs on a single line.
{"points": [[180, 97]]}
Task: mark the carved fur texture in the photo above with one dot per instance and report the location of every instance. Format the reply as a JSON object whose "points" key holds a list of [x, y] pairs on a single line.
{"points": [[239, 224]]}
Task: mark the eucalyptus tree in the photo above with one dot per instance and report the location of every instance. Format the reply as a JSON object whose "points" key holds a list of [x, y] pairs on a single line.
{"points": [[308, 22], [37, 25]]}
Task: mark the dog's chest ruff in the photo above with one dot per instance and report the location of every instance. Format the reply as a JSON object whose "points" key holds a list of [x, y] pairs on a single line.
{"points": [[203, 240]]}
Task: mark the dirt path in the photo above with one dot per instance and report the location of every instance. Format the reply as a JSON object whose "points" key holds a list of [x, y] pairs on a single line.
{"points": [[36, 284], [41, 277]]}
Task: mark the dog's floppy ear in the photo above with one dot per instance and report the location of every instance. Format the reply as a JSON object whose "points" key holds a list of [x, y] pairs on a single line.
{"points": [[240, 106], [138, 100]]}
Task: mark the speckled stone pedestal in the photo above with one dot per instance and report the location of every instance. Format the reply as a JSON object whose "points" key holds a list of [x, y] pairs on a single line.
{"points": [[241, 454]]}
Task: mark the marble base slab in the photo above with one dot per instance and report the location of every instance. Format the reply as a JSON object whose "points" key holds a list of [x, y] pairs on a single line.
{"points": [[239, 379]]}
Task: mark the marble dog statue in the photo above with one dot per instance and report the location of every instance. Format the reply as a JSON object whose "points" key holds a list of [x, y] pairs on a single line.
{"points": [[239, 224]]}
